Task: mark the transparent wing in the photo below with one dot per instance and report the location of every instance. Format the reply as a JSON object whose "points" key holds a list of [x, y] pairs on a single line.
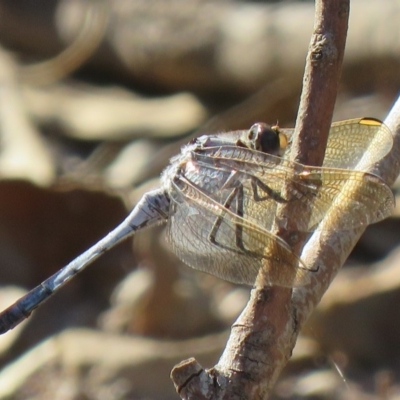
{"points": [[349, 141], [193, 218], [264, 179], [359, 198]]}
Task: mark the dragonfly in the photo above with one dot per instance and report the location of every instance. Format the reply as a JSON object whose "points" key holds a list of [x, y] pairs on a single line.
{"points": [[220, 196]]}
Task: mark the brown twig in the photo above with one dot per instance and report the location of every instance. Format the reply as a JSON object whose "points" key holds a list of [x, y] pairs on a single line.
{"points": [[263, 337], [320, 83]]}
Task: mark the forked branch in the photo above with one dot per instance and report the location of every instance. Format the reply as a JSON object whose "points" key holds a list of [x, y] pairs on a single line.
{"points": [[263, 337]]}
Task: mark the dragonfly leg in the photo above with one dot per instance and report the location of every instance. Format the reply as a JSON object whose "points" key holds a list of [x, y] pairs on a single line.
{"points": [[235, 203], [257, 184], [240, 213], [238, 195], [213, 233]]}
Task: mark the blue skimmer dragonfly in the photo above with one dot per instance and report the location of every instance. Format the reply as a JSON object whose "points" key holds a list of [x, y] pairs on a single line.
{"points": [[220, 195]]}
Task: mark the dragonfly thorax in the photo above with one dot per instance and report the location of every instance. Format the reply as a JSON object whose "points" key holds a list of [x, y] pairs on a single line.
{"points": [[177, 163]]}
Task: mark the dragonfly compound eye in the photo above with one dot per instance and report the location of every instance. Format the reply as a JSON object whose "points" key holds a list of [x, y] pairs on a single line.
{"points": [[263, 138]]}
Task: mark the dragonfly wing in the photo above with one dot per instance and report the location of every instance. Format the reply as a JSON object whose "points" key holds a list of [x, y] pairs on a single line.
{"points": [[363, 198], [351, 140], [262, 176], [193, 218], [358, 198]]}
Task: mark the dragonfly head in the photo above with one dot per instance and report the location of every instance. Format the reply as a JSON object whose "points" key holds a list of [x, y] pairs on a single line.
{"points": [[264, 138], [260, 137]]}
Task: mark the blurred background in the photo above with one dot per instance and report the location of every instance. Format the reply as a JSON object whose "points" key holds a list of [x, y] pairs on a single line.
{"points": [[95, 98]]}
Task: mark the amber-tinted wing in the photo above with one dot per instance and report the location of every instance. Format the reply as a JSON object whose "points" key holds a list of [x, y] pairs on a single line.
{"points": [[369, 198], [353, 139], [192, 218]]}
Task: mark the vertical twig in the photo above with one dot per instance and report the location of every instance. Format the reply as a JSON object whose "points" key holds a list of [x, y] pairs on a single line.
{"points": [[263, 337], [320, 82]]}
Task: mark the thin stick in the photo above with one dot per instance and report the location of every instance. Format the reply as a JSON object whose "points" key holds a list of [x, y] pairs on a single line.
{"points": [[320, 83], [263, 337]]}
